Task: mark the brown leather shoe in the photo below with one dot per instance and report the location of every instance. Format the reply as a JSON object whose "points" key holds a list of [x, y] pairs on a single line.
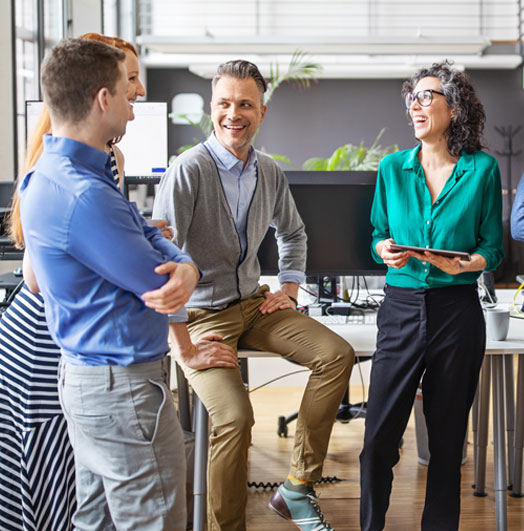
{"points": [[300, 507], [278, 505]]}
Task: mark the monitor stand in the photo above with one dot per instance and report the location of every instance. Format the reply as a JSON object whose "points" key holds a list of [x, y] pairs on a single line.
{"points": [[326, 291]]}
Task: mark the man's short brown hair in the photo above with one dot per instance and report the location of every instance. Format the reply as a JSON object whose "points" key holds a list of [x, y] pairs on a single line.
{"points": [[240, 69], [72, 74]]}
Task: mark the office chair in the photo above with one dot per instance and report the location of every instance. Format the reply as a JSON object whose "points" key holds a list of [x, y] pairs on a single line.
{"points": [[346, 412], [7, 250]]}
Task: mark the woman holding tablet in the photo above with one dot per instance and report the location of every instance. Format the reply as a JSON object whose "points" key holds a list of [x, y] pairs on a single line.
{"points": [[444, 194]]}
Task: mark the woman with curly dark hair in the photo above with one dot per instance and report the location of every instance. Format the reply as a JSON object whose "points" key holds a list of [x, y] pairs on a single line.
{"points": [[443, 194]]}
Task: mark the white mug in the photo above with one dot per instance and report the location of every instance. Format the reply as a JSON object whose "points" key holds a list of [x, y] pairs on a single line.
{"points": [[497, 323]]}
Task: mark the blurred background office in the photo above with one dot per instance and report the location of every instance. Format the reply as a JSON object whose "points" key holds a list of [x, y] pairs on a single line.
{"points": [[353, 56], [360, 50]]}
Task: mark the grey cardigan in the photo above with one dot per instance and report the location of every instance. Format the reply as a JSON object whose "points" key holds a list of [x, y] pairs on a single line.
{"points": [[191, 198]]}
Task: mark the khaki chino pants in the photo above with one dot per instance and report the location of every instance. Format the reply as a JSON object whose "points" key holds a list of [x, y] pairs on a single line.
{"points": [[294, 336]]}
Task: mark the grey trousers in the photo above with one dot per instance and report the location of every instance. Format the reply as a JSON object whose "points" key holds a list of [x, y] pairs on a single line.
{"points": [[128, 447]]}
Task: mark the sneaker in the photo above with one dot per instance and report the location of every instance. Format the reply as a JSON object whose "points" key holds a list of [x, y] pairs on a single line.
{"points": [[301, 508]]}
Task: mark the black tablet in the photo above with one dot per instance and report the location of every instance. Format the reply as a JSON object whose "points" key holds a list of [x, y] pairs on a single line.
{"points": [[442, 252]]}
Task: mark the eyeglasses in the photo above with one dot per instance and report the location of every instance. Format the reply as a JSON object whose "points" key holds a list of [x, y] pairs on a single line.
{"points": [[424, 97]]}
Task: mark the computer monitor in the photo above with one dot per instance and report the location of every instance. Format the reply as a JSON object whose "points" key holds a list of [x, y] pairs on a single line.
{"points": [[33, 110], [145, 143], [335, 208]]}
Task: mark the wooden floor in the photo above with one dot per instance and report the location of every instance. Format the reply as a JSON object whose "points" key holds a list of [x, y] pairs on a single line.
{"points": [[269, 461]]}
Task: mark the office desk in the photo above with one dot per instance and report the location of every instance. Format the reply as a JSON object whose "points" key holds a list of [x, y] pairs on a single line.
{"points": [[8, 251], [497, 374], [497, 368], [8, 282], [363, 339]]}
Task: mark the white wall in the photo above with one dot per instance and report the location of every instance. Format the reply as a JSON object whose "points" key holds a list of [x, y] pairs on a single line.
{"points": [[87, 17]]}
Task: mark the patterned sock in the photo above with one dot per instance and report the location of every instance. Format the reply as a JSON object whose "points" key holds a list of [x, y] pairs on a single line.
{"points": [[298, 485]]}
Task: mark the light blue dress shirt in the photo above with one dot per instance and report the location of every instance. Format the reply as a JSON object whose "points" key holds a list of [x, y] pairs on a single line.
{"points": [[239, 184], [93, 256], [517, 213]]}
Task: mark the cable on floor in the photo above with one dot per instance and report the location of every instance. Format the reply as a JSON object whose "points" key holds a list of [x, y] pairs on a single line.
{"points": [[274, 485]]}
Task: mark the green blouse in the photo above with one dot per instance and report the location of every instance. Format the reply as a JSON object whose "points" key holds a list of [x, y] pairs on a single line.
{"points": [[466, 216]]}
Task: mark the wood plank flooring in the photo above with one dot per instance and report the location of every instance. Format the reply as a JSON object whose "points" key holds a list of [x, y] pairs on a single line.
{"points": [[269, 461]]}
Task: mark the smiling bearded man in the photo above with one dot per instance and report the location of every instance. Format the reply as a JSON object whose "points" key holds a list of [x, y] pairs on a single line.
{"points": [[221, 196]]}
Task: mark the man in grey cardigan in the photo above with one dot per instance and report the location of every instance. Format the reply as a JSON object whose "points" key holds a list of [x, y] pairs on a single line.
{"points": [[221, 196]]}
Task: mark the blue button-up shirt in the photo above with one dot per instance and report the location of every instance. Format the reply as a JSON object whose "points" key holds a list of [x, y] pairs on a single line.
{"points": [[239, 183], [93, 256], [517, 213]]}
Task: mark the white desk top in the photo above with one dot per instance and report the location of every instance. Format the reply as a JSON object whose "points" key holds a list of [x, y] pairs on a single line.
{"points": [[514, 343], [363, 337]]}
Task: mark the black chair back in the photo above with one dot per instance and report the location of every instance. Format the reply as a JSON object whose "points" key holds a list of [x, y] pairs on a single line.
{"points": [[6, 191]]}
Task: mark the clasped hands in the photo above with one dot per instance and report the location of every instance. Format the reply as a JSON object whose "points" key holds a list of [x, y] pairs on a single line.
{"points": [[163, 226], [398, 259], [183, 278]]}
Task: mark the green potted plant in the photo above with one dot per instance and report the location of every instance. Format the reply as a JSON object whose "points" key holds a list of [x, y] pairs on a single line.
{"points": [[350, 157]]}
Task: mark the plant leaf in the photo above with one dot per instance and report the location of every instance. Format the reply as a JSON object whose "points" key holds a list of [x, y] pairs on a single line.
{"points": [[301, 71], [352, 158], [315, 164], [282, 158]]}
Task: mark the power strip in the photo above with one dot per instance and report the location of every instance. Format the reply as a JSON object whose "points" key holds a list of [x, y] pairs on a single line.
{"points": [[341, 308]]}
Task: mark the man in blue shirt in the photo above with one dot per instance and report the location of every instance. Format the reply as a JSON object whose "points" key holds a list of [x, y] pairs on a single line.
{"points": [[517, 213], [94, 258], [221, 196]]}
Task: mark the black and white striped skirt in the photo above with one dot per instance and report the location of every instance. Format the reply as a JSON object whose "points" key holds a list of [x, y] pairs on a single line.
{"points": [[37, 478]]}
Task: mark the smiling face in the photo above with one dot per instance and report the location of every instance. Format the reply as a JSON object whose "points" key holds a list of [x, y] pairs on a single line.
{"points": [[135, 87], [119, 108], [236, 112], [430, 123]]}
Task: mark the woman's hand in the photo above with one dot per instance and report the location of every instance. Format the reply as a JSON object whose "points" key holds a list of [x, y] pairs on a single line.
{"points": [[452, 266], [166, 230], [394, 259]]}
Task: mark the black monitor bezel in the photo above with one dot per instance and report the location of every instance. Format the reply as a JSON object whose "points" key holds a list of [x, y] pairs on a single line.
{"points": [[328, 178]]}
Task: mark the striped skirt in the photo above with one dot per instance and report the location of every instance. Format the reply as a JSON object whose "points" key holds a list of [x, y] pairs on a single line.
{"points": [[37, 478]]}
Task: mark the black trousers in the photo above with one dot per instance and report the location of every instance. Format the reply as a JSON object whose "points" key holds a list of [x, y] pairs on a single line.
{"points": [[439, 333]]}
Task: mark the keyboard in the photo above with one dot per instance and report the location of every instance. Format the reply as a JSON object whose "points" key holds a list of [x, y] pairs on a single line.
{"points": [[368, 318], [144, 179]]}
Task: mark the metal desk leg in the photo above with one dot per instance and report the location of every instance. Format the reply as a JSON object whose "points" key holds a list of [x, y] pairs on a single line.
{"points": [[509, 387], [183, 399], [201, 448], [519, 433], [474, 429], [244, 371], [497, 366], [483, 423]]}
